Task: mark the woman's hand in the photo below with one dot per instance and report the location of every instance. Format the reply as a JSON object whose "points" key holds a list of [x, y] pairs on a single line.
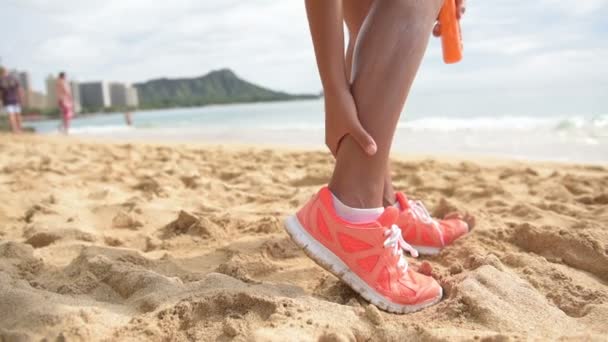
{"points": [[461, 7], [341, 119], [325, 19]]}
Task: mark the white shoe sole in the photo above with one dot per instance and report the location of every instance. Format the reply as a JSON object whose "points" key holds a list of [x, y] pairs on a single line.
{"points": [[328, 260], [427, 250]]}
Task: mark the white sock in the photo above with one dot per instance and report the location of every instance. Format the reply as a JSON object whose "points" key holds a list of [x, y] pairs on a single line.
{"points": [[356, 215]]}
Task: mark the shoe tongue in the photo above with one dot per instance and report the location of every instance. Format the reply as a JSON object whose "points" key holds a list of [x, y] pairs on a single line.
{"points": [[389, 216], [402, 200]]}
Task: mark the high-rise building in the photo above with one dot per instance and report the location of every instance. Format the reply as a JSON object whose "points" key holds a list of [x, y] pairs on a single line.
{"points": [[132, 97], [36, 100], [118, 95], [51, 91], [123, 95], [94, 95], [75, 88], [24, 79]]}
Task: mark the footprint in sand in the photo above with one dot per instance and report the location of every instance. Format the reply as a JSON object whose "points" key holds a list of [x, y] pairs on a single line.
{"points": [[580, 250], [495, 298]]}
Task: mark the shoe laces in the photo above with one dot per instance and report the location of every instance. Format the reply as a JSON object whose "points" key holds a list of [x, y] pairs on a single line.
{"points": [[394, 240], [421, 213]]}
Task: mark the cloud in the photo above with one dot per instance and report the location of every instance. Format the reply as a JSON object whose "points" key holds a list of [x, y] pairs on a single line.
{"points": [[532, 47], [579, 8]]}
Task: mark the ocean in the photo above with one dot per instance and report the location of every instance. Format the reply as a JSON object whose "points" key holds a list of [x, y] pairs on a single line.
{"points": [[574, 138]]}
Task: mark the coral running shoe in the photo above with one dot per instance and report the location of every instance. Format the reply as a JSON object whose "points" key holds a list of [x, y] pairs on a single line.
{"points": [[424, 233], [368, 257]]}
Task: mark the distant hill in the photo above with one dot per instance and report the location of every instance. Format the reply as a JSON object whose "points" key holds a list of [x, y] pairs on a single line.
{"points": [[219, 86]]}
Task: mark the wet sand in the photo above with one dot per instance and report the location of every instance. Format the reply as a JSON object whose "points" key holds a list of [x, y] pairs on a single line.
{"points": [[103, 241]]}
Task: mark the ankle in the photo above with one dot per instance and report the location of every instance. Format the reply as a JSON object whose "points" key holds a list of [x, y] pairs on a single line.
{"points": [[389, 200], [364, 196]]}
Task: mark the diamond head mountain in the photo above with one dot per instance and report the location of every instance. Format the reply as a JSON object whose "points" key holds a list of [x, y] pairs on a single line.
{"points": [[216, 87]]}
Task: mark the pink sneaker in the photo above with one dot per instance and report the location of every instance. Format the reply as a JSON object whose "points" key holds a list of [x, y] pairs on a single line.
{"points": [[368, 257], [423, 232]]}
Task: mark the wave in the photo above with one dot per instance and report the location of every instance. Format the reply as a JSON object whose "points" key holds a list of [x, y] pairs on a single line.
{"points": [[591, 126], [597, 125], [101, 129]]}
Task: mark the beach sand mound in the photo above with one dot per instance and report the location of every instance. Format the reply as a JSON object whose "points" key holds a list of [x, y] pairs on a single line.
{"points": [[169, 243]]}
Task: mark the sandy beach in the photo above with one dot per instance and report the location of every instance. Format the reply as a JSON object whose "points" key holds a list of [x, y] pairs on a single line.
{"points": [[134, 241]]}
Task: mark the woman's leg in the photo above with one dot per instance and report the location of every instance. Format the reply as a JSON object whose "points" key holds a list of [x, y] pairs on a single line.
{"points": [[386, 57], [19, 124], [67, 124], [12, 119], [355, 13]]}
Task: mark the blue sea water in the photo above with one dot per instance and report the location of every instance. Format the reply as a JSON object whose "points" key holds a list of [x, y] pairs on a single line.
{"points": [[571, 138]]}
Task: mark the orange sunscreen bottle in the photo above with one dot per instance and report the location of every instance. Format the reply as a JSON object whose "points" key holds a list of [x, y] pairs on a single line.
{"points": [[451, 39]]}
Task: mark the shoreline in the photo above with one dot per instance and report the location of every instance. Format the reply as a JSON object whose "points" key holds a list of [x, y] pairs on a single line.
{"points": [[42, 117], [299, 124], [235, 146]]}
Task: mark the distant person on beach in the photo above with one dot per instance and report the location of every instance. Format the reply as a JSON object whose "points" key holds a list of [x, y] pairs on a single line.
{"points": [[65, 102], [128, 118], [12, 97], [358, 226]]}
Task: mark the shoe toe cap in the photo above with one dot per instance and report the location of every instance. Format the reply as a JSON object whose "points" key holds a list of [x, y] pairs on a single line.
{"points": [[421, 289], [453, 229], [431, 292]]}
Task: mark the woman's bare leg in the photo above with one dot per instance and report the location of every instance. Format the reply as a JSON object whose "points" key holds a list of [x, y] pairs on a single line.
{"points": [[12, 119], [386, 57], [355, 13]]}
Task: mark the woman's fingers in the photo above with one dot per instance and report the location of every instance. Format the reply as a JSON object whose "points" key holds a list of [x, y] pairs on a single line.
{"points": [[437, 30], [360, 135], [460, 10]]}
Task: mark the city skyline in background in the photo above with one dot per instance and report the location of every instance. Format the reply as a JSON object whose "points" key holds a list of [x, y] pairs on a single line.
{"points": [[88, 96], [521, 57]]}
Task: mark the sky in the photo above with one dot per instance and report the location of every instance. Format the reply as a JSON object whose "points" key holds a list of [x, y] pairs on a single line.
{"points": [[523, 57]]}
